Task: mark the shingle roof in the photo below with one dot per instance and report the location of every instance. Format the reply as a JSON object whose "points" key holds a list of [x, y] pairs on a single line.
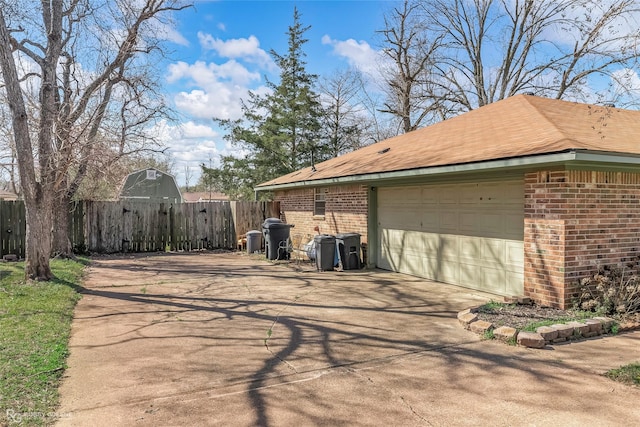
{"points": [[204, 196], [522, 125]]}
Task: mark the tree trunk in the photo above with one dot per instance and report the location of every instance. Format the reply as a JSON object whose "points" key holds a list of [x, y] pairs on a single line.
{"points": [[38, 238], [61, 246]]}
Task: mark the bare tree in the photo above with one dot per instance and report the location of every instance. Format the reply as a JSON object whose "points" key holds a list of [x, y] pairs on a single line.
{"points": [[9, 179], [493, 49], [71, 101], [344, 121], [411, 49]]}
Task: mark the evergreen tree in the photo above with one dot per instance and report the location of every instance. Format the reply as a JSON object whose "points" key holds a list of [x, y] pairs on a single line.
{"points": [[280, 130]]}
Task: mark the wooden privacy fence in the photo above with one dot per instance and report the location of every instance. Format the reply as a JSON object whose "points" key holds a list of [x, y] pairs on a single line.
{"points": [[12, 228], [137, 226]]}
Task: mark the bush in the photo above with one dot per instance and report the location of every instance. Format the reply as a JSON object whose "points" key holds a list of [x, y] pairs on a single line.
{"points": [[612, 290]]}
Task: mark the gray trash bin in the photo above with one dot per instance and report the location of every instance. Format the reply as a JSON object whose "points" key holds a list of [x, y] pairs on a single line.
{"points": [[325, 251], [254, 241], [349, 249], [276, 238]]}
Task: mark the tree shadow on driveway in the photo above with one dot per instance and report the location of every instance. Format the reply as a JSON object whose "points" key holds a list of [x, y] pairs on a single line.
{"points": [[375, 343]]}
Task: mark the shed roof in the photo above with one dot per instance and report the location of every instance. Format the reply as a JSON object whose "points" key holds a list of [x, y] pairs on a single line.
{"points": [[150, 184], [522, 125]]}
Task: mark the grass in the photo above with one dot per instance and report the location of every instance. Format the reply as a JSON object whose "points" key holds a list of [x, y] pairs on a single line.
{"points": [[628, 374], [579, 315], [493, 305], [35, 323]]}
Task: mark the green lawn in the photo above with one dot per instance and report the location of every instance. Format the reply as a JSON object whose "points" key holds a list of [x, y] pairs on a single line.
{"points": [[35, 322]]}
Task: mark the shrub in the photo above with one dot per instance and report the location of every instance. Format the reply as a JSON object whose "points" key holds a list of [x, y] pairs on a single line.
{"points": [[612, 290]]}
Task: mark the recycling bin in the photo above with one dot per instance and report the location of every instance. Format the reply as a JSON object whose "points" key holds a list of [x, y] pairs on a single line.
{"points": [[349, 250], [325, 251], [276, 239], [254, 241]]}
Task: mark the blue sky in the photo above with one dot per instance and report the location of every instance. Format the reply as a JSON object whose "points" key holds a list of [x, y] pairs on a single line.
{"points": [[220, 51]]}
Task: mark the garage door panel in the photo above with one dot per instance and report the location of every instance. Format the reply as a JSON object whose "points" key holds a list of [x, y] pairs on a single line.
{"points": [[513, 226], [431, 243], [408, 218], [470, 275], [430, 220], [468, 195], [408, 196], [466, 234], [449, 247], [493, 251], [513, 282], [448, 195], [448, 273], [491, 224], [469, 223], [494, 279], [430, 196], [514, 254], [412, 264], [449, 221], [470, 247]]}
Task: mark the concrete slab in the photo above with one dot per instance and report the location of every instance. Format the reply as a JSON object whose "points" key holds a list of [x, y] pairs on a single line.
{"points": [[228, 339]]}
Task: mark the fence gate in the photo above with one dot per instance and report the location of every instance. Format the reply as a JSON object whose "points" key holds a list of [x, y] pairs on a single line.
{"points": [[12, 228]]}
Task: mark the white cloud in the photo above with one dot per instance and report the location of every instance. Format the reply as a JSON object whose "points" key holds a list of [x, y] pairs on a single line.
{"points": [[358, 54], [247, 49], [194, 130], [203, 74], [219, 88]]}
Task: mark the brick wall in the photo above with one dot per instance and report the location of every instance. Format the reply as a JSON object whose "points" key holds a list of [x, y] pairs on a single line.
{"points": [[345, 210], [576, 221]]}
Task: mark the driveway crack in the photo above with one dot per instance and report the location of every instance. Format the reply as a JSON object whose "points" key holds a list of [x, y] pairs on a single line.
{"points": [[401, 397], [273, 325]]}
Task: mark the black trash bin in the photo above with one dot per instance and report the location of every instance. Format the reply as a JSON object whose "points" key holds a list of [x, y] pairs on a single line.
{"points": [[276, 239], [349, 249], [325, 251]]}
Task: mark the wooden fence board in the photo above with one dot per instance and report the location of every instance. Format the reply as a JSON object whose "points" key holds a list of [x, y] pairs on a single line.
{"points": [[12, 228], [135, 226]]}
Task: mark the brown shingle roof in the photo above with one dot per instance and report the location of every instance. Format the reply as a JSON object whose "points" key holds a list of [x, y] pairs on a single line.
{"points": [[204, 196], [522, 125]]}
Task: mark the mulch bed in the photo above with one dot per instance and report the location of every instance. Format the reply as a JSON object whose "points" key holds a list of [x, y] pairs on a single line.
{"points": [[520, 315]]}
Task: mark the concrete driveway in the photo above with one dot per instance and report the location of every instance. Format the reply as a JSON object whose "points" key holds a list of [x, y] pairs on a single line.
{"points": [[231, 340]]}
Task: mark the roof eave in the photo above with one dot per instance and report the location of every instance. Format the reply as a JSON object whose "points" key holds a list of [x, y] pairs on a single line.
{"points": [[576, 157]]}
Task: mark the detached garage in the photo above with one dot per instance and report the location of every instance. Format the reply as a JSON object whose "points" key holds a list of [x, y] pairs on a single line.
{"points": [[522, 197]]}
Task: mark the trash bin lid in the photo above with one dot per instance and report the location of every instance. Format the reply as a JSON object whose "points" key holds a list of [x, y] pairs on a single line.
{"points": [[277, 226], [253, 232], [271, 221], [324, 238], [346, 235]]}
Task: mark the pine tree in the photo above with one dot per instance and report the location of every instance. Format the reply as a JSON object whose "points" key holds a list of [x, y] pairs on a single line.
{"points": [[280, 130]]}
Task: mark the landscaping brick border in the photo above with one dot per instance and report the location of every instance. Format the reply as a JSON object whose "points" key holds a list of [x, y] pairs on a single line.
{"points": [[543, 336]]}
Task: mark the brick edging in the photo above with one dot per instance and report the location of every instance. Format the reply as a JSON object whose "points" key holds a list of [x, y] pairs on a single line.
{"points": [[544, 335]]}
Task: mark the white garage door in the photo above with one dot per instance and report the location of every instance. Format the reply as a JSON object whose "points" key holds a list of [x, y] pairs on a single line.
{"points": [[468, 234]]}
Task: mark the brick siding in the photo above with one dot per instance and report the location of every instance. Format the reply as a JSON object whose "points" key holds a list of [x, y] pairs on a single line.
{"points": [[346, 208], [576, 221]]}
